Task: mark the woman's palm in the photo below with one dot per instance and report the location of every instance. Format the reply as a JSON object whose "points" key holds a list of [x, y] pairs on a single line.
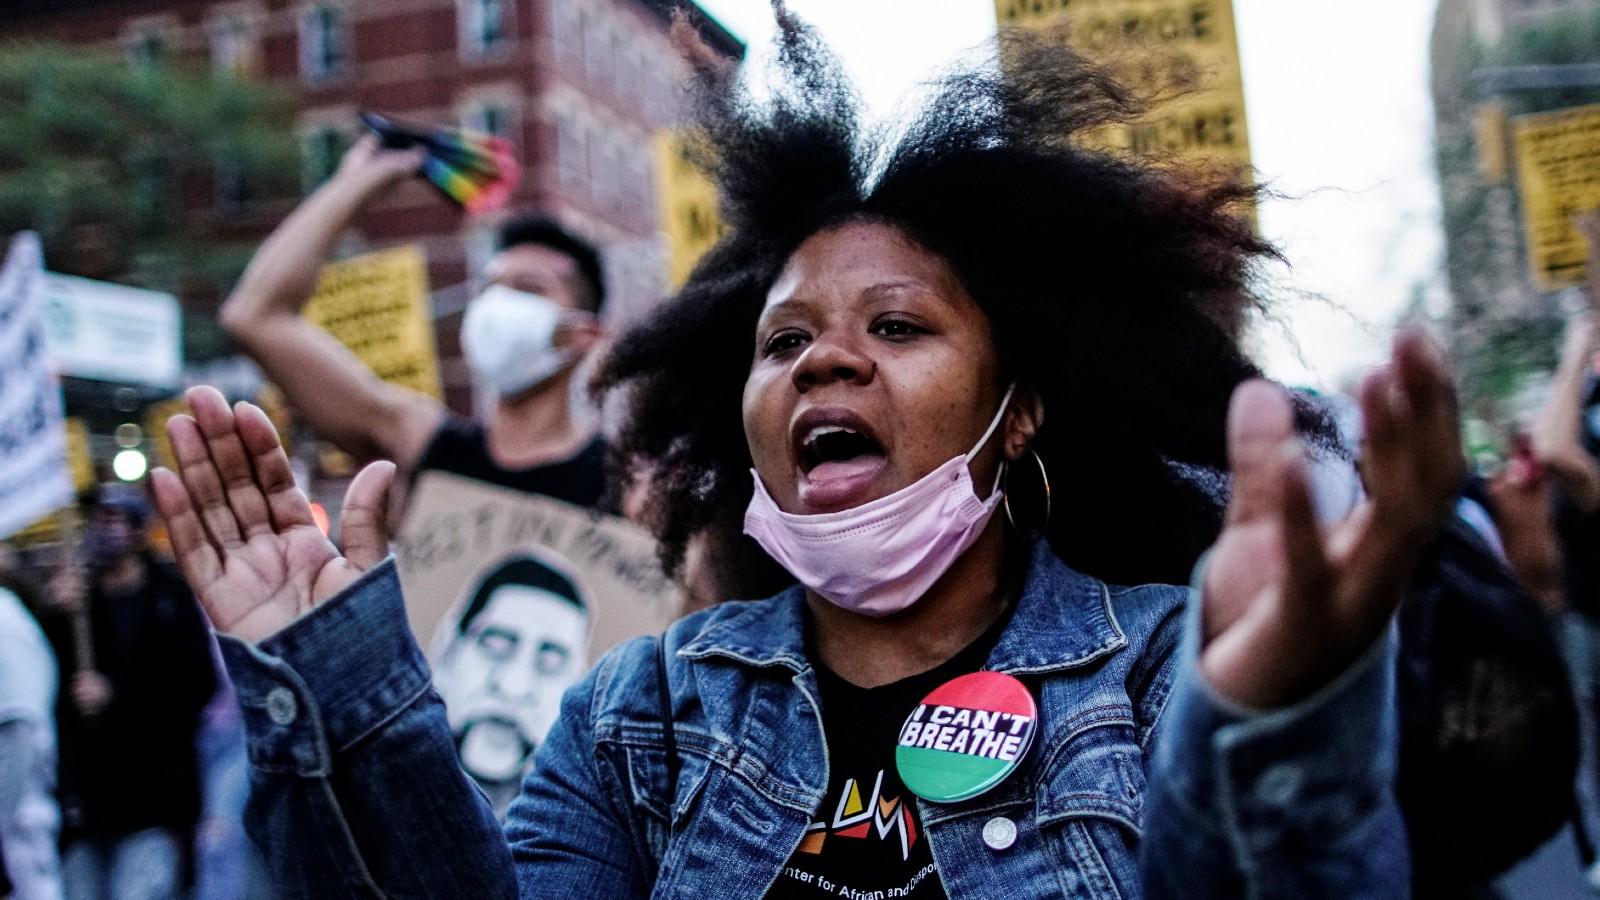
{"points": [[1287, 605], [244, 533]]}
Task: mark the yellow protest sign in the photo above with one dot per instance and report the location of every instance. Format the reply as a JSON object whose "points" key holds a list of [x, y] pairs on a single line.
{"points": [[1182, 53], [155, 425], [45, 531], [377, 305], [688, 203], [79, 462], [1558, 165], [270, 399]]}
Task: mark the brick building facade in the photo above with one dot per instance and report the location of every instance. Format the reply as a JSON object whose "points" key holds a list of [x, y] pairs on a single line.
{"points": [[579, 87]]}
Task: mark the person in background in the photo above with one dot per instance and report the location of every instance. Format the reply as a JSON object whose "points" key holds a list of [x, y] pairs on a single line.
{"points": [[1564, 464], [523, 337], [130, 709], [30, 866]]}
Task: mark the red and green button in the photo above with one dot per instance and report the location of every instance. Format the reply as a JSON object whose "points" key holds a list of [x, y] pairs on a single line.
{"points": [[966, 737]]}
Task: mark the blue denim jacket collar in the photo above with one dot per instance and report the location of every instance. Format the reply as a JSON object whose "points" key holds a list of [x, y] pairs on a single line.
{"points": [[1063, 620]]}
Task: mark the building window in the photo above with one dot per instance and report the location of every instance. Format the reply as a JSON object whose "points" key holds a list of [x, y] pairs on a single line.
{"points": [[480, 242], [631, 80], [566, 29], [233, 46], [323, 51], [488, 118], [606, 174], [321, 148], [233, 192], [147, 47], [485, 27], [495, 118], [597, 62], [571, 155]]}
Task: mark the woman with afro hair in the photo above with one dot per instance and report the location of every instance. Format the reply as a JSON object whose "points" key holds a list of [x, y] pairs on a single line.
{"points": [[964, 402]]}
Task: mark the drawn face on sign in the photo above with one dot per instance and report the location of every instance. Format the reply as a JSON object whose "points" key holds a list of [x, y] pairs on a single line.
{"points": [[518, 643]]}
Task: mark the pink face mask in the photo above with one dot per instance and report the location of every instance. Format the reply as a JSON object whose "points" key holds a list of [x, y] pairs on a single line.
{"points": [[880, 557]]}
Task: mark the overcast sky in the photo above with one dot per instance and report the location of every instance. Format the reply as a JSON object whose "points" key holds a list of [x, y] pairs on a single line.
{"points": [[1339, 118]]}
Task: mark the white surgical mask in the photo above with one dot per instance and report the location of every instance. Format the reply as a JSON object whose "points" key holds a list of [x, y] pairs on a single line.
{"points": [[508, 337]]}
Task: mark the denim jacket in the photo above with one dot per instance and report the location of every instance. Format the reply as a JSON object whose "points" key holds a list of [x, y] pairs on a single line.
{"points": [[1141, 782]]}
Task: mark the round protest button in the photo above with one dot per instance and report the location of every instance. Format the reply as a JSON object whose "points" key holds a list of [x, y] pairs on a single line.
{"points": [[966, 737]]}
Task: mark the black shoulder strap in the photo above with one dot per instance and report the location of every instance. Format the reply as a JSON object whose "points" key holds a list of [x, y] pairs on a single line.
{"points": [[669, 730]]}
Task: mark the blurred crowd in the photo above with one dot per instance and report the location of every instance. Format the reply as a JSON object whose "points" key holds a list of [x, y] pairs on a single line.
{"points": [[124, 770]]}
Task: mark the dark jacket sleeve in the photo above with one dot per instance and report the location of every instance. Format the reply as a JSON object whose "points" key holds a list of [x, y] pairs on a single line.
{"points": [[1295, 802], [355, 786]]}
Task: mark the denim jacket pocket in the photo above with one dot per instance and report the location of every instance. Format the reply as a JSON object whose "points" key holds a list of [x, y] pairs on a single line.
{"points": [[1089, 806], [641, 756], [1067, 827]]}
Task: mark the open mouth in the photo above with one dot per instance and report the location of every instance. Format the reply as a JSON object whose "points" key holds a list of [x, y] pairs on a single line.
{"points": [[825, 445], [839, 457]]}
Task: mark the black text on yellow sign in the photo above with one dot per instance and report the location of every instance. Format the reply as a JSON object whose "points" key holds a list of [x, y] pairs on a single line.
{"points": [[688, 208], [377, 306], [1183, 55], [1558, 167]]}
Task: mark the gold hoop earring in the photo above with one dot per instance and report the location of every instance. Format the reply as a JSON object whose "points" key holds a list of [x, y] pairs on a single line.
{"points": [[1005, 495]]}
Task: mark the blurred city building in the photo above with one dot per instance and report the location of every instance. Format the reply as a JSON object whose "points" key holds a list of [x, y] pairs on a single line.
{"points": [[579, 87], [1503, 328]]}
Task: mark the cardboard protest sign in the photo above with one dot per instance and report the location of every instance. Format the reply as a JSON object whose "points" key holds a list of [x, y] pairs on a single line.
{"points": [[376, 304], [1558, 165], [34, 475], [1184, 53], [516, 595]]}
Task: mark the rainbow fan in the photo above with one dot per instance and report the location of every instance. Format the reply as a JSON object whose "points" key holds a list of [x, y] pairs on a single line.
{"points": [[474, 170]]}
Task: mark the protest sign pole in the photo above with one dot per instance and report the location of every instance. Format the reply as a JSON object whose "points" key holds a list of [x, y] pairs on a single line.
{"points": [[82, 633]]}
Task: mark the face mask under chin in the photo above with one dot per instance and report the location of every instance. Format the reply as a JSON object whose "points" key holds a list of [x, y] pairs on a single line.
{"points": [[879, 558]]}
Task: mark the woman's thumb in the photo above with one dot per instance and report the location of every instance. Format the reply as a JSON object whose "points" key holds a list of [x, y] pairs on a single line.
{"points": [[361, 524]]}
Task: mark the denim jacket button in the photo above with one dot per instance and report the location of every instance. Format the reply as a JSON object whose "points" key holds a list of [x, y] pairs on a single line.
{"points": [[281, 706], [999, 833], [1278, 785]]}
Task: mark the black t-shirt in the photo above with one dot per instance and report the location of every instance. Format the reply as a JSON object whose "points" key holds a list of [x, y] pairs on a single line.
{"points": [[461, 447], [867, 836]]}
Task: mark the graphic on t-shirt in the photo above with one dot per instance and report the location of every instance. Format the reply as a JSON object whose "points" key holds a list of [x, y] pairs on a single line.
{"points": [[966, 737], [886, 818]]}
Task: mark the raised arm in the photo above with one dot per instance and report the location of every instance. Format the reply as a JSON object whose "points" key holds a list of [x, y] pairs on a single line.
{"points": [[1275, 759], [341, 398], [355, 787], [1557, 435]]}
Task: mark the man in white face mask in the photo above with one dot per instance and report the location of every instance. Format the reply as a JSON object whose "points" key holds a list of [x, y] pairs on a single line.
{"points": [[523, 336]]}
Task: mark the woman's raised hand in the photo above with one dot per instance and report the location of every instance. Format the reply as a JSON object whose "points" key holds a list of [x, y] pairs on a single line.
{"points": [[1289, 605], [243, 532]]}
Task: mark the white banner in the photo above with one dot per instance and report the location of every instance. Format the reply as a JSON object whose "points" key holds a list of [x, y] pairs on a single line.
{"points": [[112, 332], [34, 476]]}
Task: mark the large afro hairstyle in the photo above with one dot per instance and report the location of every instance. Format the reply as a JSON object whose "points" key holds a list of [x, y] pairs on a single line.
{"points": [[1115, 288]]}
